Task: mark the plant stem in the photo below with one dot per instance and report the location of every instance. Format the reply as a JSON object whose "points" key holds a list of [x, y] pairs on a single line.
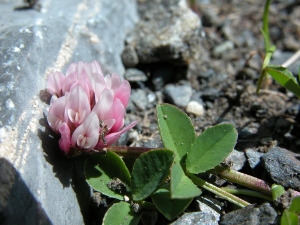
{"points": [[266, 25], [134, 152], [243, 179], [218, 191], [239, 191]]}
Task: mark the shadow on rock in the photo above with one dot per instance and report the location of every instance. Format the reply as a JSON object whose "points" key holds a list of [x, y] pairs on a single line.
{"points": [[69, 171], [17, 204]]}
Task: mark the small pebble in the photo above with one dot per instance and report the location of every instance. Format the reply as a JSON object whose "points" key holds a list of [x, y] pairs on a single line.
{"points": [[195, 108]]}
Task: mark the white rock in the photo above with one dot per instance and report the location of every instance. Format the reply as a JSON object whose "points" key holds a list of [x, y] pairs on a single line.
{"points": [[195, 108]]}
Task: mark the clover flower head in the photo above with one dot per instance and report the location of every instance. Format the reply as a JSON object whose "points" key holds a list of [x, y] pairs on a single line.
{"points": [[87, 108]]}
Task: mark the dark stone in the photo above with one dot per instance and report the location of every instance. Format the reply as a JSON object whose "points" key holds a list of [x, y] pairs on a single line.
{"points": [[210, 94], [209, 17], [249, 215], [162, 74], [267, 214], [244, 216], [129, 56], [283, 167]]}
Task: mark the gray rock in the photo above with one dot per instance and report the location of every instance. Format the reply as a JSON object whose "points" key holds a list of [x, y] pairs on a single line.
{"points": [[244, 216], [247, 132], [236, 159], [179, 95], [254, 158], [209, 205], [223, 48], [210, 94], [209, 17], [207, 74], [33, 44], [139, 98], [249, 215], [196, 218], [135, 75], [283, 167], [129, 56], [17, 204], [168, 31], [267, 214]]}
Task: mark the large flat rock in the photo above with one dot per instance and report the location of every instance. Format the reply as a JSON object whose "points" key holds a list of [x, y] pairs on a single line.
{"points": [[34, 43]]}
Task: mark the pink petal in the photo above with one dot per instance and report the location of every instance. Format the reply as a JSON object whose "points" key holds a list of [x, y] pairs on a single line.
{"points": [[54, 83], [123, 92], [115, 81], [100, 85], [80, 67], [65, 140], [86, 135], [89, 75], [109, 123], [78, 105], [69, 81], [84, 83], [107, 79], [103, 107], [111, 138], [97, 68], [119, 112], [71, 69], [56, 115]]}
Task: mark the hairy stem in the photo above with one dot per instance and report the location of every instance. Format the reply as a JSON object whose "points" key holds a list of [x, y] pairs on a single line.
{"points": [[243, 179]]}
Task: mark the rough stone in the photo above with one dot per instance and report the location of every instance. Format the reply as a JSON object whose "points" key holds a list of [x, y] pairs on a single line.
{"points": [[223, 48], [210, 94], [236, 160], [139, 98], [196, 218], [168, 31], [135, 75], [283, 167], [267, 214], [209, 205], [249, 215], [254, 158], [33, 44], [129, 56], [179, 95], [244, 216]]}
